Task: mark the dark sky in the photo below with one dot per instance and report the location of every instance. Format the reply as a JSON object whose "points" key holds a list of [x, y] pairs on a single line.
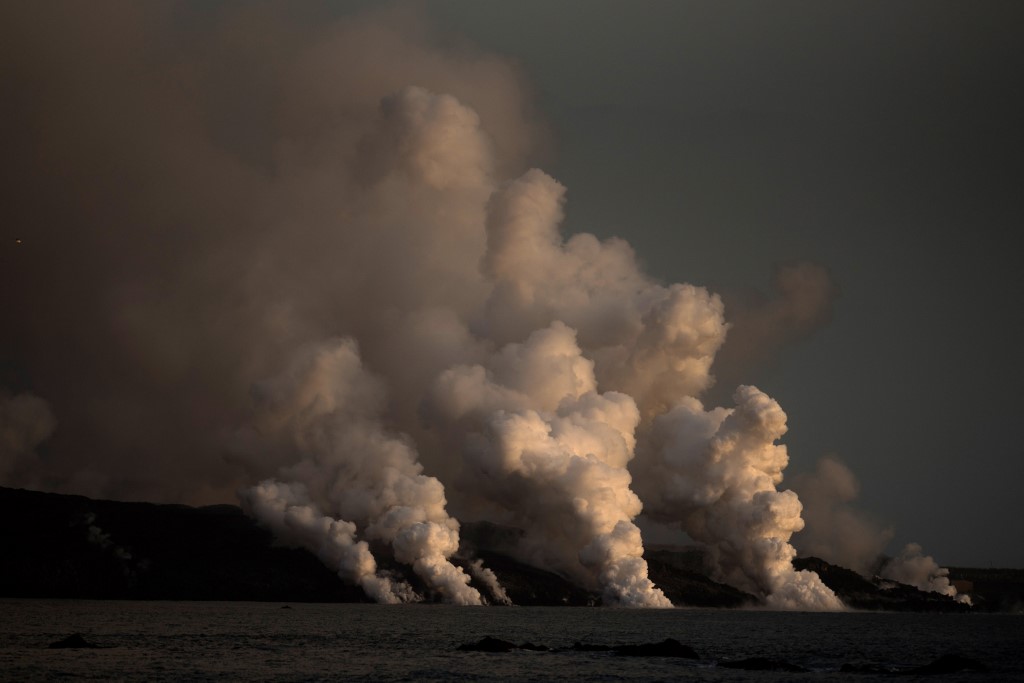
{"points": [[882, 141]]}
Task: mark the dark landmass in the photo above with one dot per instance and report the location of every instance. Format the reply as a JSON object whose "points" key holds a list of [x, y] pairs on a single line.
{"points": [[993, 590], [677, 573], [861, 593], [526, 585], [60, 546]]}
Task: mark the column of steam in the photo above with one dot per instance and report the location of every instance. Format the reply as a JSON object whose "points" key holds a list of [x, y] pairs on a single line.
{"points": [[657, 345], [424, 154], [540, 441], [645, 345], [285, 509], [718, 470], [344, 465]]}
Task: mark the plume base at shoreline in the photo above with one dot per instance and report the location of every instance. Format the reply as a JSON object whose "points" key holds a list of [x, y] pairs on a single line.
{"points": [[65, 546]]}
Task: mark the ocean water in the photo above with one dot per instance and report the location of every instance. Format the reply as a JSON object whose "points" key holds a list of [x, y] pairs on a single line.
{"points": [[229, 641]]}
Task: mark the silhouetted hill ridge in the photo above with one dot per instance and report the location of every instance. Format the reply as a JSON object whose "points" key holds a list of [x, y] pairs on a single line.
{"points": [[67, 546]]}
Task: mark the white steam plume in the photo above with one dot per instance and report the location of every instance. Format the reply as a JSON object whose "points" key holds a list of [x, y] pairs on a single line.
{"points": [[716, 472], [489, 579], [371, 201], [837, 532], [321, 419], [290, 515], [542, 443], [652, 342], [239, 194], [914, 568], [655, 344]]}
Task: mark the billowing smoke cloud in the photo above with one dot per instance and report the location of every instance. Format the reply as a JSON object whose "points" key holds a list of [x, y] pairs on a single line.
{"points": [[489, 579], [716, 471], [838, 532], [25, 422], [214, 196], [911, 566], [321, 422], [835, 530], [538, 431], [760, 326], [200, 189], [653, 342], [289, 513]]}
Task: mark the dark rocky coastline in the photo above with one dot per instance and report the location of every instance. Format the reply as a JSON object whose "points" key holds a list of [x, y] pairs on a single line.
{"points": [[61, 546]]}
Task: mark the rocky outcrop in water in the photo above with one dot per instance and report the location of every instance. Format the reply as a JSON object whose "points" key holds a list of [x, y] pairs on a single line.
{"points": [[73, 641], [489, 644]]}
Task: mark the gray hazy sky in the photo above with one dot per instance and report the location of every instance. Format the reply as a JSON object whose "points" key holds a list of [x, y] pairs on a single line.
{"points": [[883, 140]]}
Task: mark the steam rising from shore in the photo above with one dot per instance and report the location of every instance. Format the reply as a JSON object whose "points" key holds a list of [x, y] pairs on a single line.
{"points": [[321, 422], [289, 513], [536, 437], [357, 295], [840, 533]]}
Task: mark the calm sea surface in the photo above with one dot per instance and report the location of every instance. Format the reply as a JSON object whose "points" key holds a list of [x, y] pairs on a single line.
{"points": [[175, 641]]}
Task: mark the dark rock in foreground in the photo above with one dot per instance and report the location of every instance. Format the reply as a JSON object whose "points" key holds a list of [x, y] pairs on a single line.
{"points": [[763, 664], [488, 644], [72, 641]]}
